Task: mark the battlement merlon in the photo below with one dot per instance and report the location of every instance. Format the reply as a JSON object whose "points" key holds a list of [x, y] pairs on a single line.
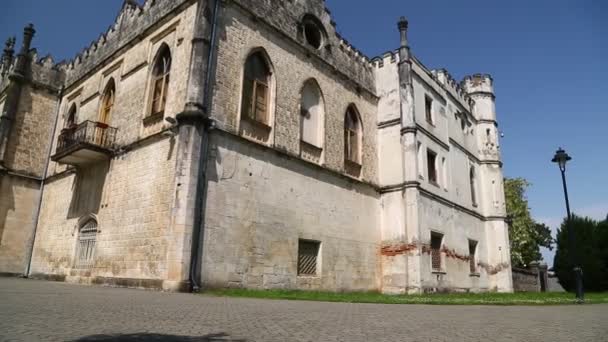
{"points": [[132, 20], [27, 67], [454, 88], [480, 88], [478, 84]]}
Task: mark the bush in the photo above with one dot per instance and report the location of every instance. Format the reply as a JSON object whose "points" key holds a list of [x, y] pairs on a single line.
{"points": [[591, 242]]}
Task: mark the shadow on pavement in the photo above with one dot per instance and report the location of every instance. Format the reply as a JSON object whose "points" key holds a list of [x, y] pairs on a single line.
{"points": [[221, 337]]}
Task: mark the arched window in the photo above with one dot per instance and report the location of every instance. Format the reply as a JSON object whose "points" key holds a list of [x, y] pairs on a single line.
{"points": [[70, 120], [160, 80], [85, 250], [473, 190], [352, 136], [107, 102], [312, 110], [256, 89]]}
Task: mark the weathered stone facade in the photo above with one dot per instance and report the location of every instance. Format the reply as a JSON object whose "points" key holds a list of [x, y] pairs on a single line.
{"points": [[198, 194]]}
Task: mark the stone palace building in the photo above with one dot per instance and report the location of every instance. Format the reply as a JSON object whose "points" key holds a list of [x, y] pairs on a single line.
{"points": [[245, 143]]}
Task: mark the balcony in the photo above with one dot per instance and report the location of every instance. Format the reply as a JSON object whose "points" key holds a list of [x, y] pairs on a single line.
{"points": [[87, 143]]}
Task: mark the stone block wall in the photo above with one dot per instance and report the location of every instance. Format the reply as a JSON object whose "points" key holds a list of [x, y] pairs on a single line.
{"points": [[525, 280], [132, 195], [18, 201], [457, 228], [260, 202], [27, 148], [238, 36], [131, 199]]}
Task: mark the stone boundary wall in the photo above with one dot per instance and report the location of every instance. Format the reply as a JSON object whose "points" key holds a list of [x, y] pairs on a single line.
{"points": [[525, 280]]}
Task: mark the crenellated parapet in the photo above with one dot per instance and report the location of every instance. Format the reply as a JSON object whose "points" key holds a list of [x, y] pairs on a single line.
{"points": [[46, 72], [452, 86], [41, 72], [386, 58], [128, 27], [478, 84]]}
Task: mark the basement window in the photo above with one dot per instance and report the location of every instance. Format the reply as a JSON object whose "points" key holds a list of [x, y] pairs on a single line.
{"points": [[308, 256], [436, 240], [472, 258]]}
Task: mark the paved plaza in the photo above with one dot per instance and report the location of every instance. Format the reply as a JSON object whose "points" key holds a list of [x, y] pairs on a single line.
{"points": [[32, 310]]}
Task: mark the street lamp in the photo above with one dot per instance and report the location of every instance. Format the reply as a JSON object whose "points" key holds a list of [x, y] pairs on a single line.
{"points": [[561, 158]]}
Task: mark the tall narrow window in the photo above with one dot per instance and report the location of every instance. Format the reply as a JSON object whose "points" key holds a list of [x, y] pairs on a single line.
{"points": [[71, 118], [352, 136], [160, 80], [472, 182], [420, 155], [472, 258], [436, 240], [312, 112], [444, 173], [431, 161], [256, 89], [428, 109], [107, 102], [85, 250]]}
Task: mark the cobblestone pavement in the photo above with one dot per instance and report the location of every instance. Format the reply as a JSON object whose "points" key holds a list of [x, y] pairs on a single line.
{"points": [[33, 310]]}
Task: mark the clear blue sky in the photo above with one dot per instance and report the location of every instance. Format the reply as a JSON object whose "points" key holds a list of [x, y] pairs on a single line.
{"points": [[548, 59]]}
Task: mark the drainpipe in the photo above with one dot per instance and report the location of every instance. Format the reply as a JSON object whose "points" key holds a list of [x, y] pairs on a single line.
{"points": [[17, 78], [194, 113], [32, 240]]}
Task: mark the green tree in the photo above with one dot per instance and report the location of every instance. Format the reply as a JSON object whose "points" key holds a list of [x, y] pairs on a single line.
{"points": [[526, 235], [591, 242]]}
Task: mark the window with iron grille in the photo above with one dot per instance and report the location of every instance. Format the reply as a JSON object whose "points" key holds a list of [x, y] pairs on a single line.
{"points": [[436, 239], [85, 250], [472, 259], [308, 255]]}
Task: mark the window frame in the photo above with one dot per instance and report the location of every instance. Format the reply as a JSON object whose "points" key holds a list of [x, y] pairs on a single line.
{"points": [[108, 101], [251, 115], [473, 269], [310, 21], [431, 171], [356, 130], [87, 237], [162, 79], [316, 247], [437, 253], [420, 159], [320, 119], [444, 173], [473, 185], [71, 119], [428, 110]]}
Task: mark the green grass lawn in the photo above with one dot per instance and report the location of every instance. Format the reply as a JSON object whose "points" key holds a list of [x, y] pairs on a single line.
{"points": [[520, 298]]}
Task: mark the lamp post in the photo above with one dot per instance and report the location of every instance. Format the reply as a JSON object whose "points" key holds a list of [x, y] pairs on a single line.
{"points": [[561, 158]]}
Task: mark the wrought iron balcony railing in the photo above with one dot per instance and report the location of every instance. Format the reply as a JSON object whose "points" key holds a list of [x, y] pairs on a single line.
{"points": [[86, 142]]}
